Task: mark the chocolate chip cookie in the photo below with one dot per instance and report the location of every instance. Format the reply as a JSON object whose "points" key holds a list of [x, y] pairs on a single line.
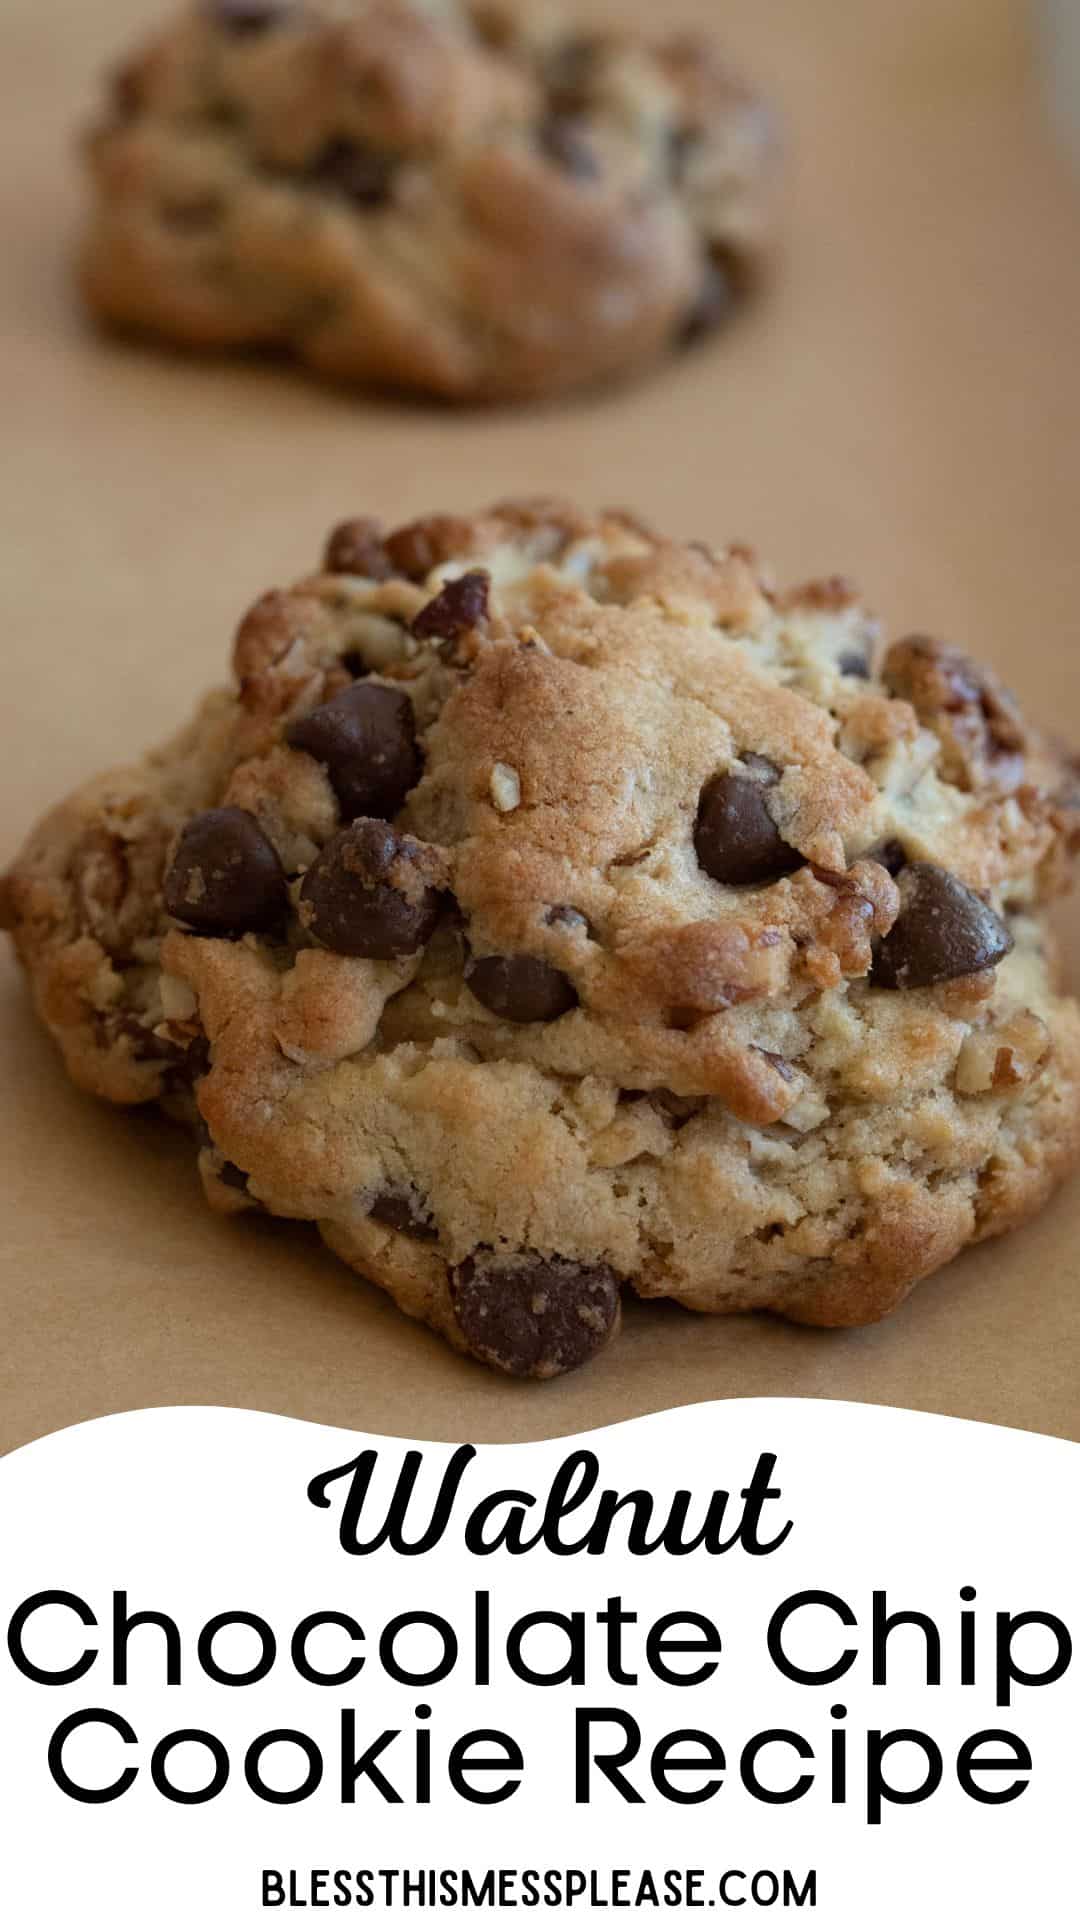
{"points": [[548, 909], [457, 197]]}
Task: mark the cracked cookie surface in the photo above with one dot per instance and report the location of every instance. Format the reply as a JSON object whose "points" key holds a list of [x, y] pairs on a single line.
{"points": [[548, 909], [473, 200]]}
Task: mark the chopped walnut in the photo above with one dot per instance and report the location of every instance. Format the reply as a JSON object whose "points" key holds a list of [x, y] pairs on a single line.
{"points": [[1009, 1054]]}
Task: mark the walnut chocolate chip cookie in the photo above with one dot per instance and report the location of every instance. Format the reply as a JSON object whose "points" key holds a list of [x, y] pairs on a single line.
{"points": [[548, 909], [458, 197]]}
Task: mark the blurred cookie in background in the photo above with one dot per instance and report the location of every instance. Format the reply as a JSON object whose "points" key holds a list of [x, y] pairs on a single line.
{"points": [[463, 198]]}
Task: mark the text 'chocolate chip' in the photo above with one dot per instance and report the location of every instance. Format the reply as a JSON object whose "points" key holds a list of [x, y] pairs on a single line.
{"points": [[944, 931], [226, 878], [736, 838], [365, 897], [365, 737], [534, 1317], [520, 988]]}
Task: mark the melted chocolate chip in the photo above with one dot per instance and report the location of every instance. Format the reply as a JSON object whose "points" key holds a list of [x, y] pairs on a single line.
{"points": [[365, 737], [736, 838], [363, 175], [357, 547], [853, 665], [461, 605], [944, 932], [715, 302], [402, 1209], [534, 1317], [363, 898], [565, 141], [248, 16], [520, 988], [226, 878]]}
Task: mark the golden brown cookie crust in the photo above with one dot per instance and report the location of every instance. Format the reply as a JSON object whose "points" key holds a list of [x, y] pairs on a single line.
{"points": [[476, 202], [520, 1023]]}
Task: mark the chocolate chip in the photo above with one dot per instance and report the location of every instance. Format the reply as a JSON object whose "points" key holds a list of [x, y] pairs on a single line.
{"points": [[356, 546], [565, 140], [248, 16], [520, 988], [364, 175], [854, 666], [534, 1317], [461, 605], [365, 897], [365, 737], [736, 838], [402, 1209], [944, 932], [226, 878], [715, 302]]}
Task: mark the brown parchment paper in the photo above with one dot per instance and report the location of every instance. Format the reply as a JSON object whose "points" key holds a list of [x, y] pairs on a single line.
{"points": [[905, 406]]}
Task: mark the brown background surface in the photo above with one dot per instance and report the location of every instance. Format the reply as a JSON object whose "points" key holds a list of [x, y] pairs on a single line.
{"points": [[905, 407]]}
